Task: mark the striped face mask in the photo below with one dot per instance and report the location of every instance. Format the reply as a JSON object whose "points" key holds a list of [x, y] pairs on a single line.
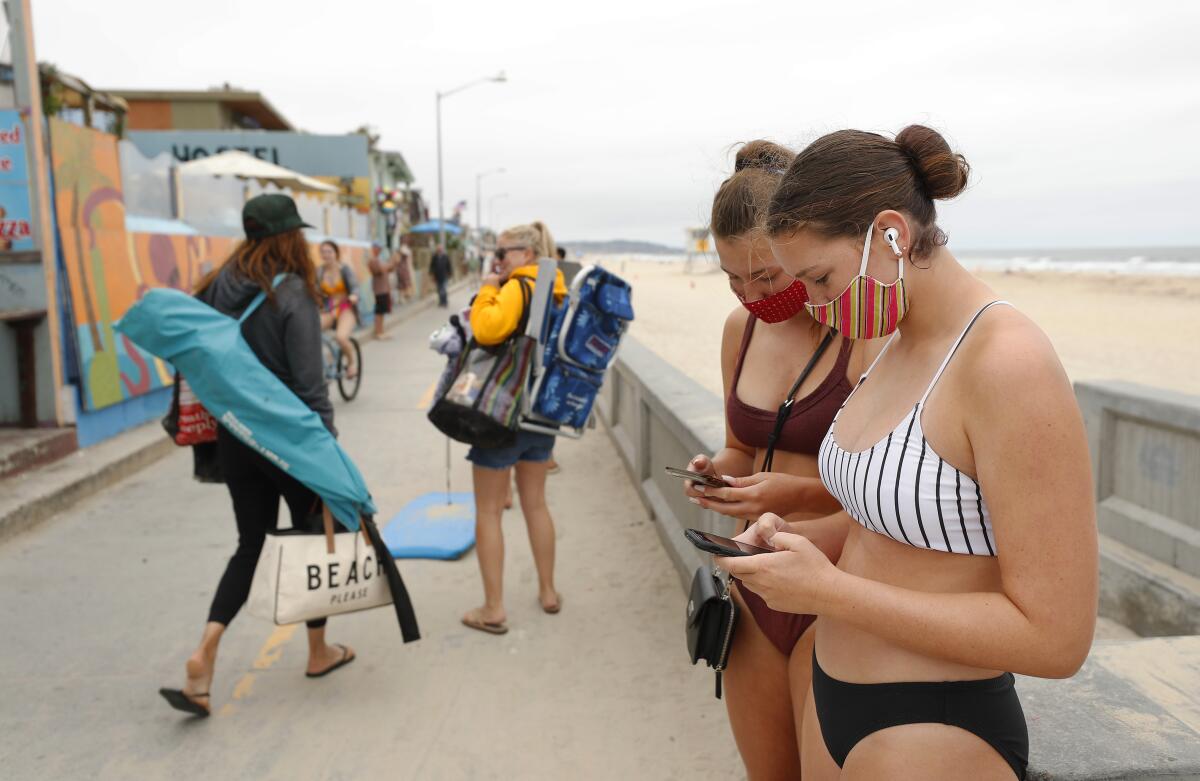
{"points": [[867, 308]]}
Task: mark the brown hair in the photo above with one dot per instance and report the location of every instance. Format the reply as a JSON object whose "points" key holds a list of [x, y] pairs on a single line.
{"points": [[536, 236], [741, 202], [333, 245], [841, 181], [259, 260]]}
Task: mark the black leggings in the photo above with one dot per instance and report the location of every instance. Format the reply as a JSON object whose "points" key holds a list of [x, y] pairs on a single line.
{"points": [[988, 708], [255, 485]]}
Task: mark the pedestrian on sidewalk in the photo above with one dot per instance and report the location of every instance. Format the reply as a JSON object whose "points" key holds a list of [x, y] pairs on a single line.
{"points": [[404, 274], [381, 286], [285, 335], [497, 311], [441, 270]]}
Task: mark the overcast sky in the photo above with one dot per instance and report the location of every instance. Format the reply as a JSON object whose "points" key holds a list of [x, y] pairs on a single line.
{"points": [[1081, 120]]}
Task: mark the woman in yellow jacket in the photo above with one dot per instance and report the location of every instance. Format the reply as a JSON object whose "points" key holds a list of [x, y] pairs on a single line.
{"points": [[495, 315]]}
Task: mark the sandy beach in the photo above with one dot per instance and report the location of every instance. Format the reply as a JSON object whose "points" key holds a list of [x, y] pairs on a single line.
{"points": [[1143, 329]]}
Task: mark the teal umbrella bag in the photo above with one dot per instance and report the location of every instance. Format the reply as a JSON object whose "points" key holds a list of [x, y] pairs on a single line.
{"points": [[250, 402]]}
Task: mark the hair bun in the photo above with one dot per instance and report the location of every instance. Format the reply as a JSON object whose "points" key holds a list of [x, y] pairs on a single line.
{"points": [[763, 155], [942, 172]]}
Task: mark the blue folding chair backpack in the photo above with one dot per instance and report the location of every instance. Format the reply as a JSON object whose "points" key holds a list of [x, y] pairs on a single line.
{"points": [[579, 341], [250, 402]]}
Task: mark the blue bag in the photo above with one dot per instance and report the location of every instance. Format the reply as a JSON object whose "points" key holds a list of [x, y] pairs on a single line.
{"points": [[254, 405], [580, 342]]}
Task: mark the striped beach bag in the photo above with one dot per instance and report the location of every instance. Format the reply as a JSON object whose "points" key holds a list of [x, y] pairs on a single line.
{"points": [[481, 404]]}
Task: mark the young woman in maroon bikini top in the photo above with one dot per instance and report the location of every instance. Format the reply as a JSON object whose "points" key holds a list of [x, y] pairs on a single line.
{"points": [[760, 363]]}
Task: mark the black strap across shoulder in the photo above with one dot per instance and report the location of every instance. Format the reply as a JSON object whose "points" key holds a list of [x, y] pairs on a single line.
{"points": [[526, 298], [785, 408]]}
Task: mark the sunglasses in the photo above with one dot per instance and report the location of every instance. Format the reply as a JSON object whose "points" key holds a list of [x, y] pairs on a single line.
{"points": [[502, 251]]}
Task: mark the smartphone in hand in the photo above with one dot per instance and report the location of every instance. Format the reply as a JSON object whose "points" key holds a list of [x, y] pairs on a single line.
{"points": [[709, 480], [722, 546]]}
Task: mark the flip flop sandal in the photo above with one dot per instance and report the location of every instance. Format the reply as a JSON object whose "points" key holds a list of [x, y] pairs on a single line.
{"points": [[346, 659], [554, 609], [181, 700], [483, 626]]}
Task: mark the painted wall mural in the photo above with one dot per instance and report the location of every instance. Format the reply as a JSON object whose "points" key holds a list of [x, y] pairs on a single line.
{"points": [[110, 268], [101, 276]]}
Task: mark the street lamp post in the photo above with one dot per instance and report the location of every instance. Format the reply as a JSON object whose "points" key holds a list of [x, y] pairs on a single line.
{"points": [[499, 78], [491, 206], [478, 202]]}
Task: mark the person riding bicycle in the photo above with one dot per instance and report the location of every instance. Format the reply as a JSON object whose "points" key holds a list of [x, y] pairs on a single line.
{"points": [[339, 287]]}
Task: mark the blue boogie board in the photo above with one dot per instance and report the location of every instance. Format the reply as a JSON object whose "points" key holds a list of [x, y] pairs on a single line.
{"points": [[430, 528]]}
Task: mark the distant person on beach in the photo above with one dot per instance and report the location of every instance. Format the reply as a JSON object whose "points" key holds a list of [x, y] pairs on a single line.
{"points": [[561, 253], [285, 334], [381, 286], [339, 289], [404, 270], [495, 315], [962, 466], [768, 340], [440, 268]]}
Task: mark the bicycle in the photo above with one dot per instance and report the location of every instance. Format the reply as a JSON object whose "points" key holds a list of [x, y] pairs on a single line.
{"points": [[336, 362]]}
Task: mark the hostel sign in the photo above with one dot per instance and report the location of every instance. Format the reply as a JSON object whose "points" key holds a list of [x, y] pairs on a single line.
{"points": [[314, 155]]}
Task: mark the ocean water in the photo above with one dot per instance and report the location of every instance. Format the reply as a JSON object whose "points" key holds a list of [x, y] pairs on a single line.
{"points": [[1147, 261]]}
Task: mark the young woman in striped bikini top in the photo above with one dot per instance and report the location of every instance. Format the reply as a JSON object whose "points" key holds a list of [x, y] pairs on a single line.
{"points": [[961, 463]]}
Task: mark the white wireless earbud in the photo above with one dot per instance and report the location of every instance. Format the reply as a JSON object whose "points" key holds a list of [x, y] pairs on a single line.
{"points": [[891, 236]]}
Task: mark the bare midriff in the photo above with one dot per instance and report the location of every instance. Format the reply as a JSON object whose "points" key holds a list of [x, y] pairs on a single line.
{"points": [[855, 655]]}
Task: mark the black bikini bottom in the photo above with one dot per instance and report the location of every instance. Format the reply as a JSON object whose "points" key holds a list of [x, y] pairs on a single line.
{"points": [[989, 709]]}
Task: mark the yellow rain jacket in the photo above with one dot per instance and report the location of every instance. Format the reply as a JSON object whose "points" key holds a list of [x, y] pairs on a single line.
{"points": [[496, 313]]}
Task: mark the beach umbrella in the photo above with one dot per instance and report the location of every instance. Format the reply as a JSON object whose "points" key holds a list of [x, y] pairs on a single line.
{"points": [[241, 165], [433, 226]]}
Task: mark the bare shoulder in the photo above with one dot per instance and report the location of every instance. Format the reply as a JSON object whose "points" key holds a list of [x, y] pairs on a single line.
{"points": [[735, 324], [1010, 364], [731, 342]]}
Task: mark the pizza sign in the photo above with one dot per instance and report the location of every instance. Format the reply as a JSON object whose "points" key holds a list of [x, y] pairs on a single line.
{"points": [[16, 222]]}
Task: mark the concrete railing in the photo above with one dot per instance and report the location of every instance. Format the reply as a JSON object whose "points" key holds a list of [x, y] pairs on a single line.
{"points": [[1145, 448], [1133, 711], [659, 417]]}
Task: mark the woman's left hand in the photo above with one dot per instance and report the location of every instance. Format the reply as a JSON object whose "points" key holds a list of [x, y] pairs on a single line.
{"points": [[797, 578], [764, 492], [492, 279]]}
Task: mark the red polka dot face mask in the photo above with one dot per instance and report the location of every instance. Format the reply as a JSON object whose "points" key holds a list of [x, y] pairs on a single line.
{"points": [[780, 306]]}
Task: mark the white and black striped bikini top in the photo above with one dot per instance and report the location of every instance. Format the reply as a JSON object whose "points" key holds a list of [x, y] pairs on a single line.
{"points": [[902, 488]]}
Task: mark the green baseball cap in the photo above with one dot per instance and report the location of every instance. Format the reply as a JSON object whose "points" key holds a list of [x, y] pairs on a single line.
{"points": [[269, 215]]}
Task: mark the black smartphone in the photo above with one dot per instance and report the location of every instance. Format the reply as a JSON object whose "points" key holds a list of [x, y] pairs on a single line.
{"points": [[721, 546], [708, 480]]}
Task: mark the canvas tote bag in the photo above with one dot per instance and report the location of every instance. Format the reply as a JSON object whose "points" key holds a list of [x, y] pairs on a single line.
{"points": [[303, 576]]}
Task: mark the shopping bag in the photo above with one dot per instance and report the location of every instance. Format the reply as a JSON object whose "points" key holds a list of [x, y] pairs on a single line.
{"points": [[481, 404], [303, 575], [195, 426]]}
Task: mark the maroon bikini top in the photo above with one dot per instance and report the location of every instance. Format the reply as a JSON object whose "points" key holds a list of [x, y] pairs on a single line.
{"points": [[810, 416]]}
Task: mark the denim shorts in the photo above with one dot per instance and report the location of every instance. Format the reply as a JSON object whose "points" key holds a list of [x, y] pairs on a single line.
{"points": [[529, 446]]}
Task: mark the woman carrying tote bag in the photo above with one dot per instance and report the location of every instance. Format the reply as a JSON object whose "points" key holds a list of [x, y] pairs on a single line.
{"points": [[285, 335], [496, 314]]}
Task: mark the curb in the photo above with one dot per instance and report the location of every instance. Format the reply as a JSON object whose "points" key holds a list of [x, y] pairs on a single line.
{"points": [[37, 495]]}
